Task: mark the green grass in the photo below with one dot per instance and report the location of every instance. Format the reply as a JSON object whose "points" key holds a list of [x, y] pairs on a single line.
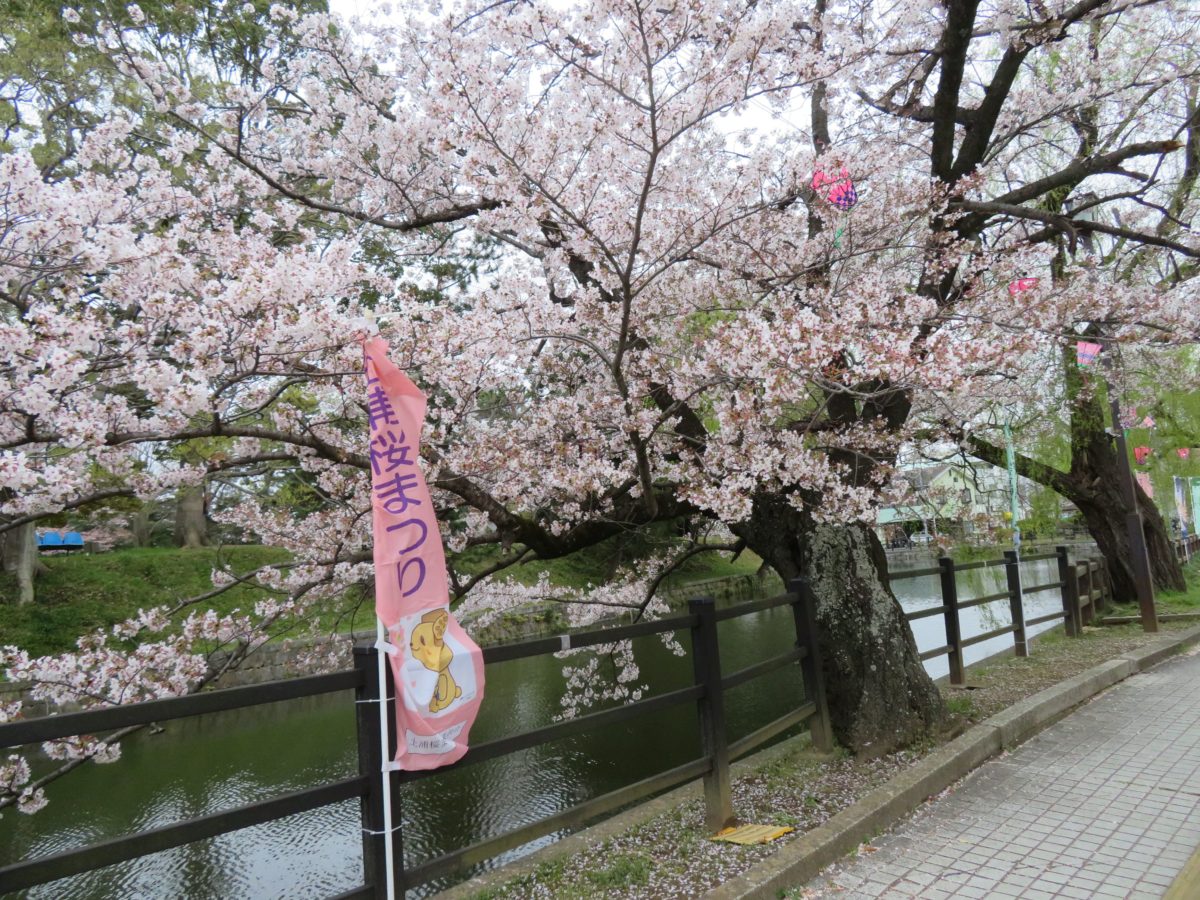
{"points": [[1183, 601], [625, 870], [82, 592], [1187, 601]]}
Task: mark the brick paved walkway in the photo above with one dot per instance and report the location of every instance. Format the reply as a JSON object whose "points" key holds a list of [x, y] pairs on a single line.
{"points": [[1106, 803]]}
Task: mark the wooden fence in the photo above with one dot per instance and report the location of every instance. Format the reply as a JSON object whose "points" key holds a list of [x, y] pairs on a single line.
{"points": [[1082, 585], [708, 685], [1186, 548], [42, 869]]}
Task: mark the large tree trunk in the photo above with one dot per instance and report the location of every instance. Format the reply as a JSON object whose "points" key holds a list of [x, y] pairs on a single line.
{"points": [[1094, 485], [1106, 522], [191, 521], [880, 696], [140, 525], [18, 552]]}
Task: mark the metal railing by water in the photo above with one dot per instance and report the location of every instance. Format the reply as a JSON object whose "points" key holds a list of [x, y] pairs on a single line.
{"points": [[1083, 586], [708, 685]]}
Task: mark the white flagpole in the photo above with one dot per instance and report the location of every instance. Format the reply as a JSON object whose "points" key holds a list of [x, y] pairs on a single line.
{"points": [[384, 725], [385, 778]]}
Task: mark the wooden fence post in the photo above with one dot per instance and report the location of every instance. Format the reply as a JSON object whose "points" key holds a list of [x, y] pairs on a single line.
{"points": [[370, 764], [1012, 568], [953, 632], [804, 609], [1072, 623], [714, 742], [1089, 610]]}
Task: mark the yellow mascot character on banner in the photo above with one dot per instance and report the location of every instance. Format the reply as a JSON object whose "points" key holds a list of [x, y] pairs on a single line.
{"points": [[429, 647]]}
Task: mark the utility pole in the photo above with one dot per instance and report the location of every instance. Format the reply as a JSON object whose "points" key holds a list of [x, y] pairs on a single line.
{"points": [[1138, 552], [1011, 458]]}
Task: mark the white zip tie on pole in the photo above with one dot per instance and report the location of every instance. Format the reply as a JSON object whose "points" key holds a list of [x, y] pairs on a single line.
{"points": [[388, 846], [377, 833]]}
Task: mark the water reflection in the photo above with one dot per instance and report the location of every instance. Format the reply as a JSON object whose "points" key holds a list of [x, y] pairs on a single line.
{"points": [[202, 765], [924, 592]]}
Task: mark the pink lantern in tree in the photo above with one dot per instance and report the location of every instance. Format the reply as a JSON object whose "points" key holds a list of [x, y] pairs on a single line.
{"points": [[1021, 284], [1141, 454], [841, 191], [1184, 452]]}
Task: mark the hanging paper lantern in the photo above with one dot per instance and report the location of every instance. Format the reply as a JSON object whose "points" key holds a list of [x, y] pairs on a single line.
{"points": [[841, 191], [1184, 452], [1021, 284], [1148, 422], [1086, 352], [1141, 454]]}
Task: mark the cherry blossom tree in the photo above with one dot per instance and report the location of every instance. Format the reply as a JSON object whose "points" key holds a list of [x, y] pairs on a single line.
{"points": [[707, 334], [1091, 476], [683, 322]]}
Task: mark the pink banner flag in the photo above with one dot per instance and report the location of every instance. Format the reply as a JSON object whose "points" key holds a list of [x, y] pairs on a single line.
{"points": [[1141, 454], [437, 668], [1086, 352]]}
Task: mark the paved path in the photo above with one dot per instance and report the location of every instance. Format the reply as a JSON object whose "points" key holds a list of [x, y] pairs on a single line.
{"points": [[1106, 803]]}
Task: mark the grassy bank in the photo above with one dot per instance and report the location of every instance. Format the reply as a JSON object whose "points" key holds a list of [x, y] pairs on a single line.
{"points": [[1186, 601], [81, 592]]}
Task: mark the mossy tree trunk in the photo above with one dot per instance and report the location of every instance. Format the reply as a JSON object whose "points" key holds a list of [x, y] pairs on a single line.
{"points": [[1095, 480]]}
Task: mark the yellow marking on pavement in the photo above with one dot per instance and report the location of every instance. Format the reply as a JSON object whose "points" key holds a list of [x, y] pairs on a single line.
{"points": [[752, 834]]}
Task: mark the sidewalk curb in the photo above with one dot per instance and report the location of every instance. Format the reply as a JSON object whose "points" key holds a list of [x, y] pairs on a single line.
{"points": [[804, 858]]}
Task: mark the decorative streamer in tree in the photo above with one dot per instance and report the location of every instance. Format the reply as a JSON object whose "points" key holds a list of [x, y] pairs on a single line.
{"points": [[1086, 352], [1145, 484]]}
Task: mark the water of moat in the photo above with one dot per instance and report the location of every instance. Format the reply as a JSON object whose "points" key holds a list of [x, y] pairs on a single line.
{"points": [[202, 765]]}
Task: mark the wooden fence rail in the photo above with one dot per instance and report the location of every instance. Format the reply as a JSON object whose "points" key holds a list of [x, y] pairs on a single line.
{"points": [[1186, 548], [709, 683], [1083, 586]]}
